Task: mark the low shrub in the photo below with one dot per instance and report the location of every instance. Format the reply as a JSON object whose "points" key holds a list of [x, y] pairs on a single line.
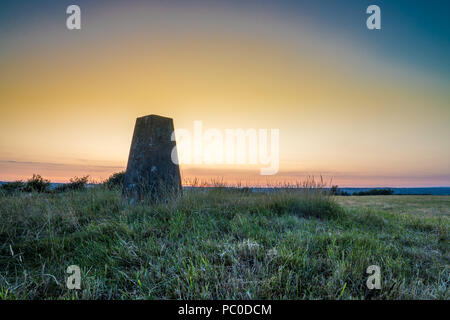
{"points": [[12, 187], [115, 180], [74, 184], [37, 184]]}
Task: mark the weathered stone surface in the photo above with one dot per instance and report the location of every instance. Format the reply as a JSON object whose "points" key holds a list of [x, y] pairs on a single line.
{"points": [[151, 173]]}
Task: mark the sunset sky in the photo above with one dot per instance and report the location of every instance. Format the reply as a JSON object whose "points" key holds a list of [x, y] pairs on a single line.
{"points": [[365, 108]]}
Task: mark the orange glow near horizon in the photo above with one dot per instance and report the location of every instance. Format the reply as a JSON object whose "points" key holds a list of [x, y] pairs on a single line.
{"points": [[69, 100]]}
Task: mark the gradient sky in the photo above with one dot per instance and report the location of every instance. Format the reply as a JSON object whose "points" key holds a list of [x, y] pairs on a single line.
{"points": [[366, 108]]}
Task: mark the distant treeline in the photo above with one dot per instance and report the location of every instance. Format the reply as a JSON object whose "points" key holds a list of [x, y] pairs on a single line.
{"points": [[375, 192], [372, 192]]}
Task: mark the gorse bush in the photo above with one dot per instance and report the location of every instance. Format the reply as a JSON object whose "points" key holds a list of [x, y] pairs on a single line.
{"points": [[335, 191], [37, 184], [74, 184], [116, 180], [12, 187]]}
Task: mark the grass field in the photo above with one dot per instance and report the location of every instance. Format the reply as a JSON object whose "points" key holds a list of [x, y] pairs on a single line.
{"points": [[224, 244]]}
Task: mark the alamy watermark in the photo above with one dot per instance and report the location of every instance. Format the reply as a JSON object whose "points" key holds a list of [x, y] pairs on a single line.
{"points": [[373, 22], [374, 280], [229, 146], [74, 278], [73, 21]]}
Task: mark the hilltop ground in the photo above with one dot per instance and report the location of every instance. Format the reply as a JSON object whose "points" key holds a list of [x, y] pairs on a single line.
{"points": [[224, 244]]}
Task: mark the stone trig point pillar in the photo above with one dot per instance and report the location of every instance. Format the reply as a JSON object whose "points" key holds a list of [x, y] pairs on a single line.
{"points": [[151, 173]]}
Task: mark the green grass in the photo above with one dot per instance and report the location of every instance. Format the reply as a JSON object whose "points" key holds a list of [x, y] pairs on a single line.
{"points": [[223, 244]]}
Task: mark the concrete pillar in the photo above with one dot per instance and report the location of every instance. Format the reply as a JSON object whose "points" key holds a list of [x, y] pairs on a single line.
{"points": [[151, 173]]}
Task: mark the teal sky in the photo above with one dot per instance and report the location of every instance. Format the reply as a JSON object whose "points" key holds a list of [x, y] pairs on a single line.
{"points": [[413, 32]]}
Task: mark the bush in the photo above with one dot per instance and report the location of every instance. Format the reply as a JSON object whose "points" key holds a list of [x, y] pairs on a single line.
{"points": [[74, 184], [37, 184], [12, 187], [115, 180], [335, 191]]}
